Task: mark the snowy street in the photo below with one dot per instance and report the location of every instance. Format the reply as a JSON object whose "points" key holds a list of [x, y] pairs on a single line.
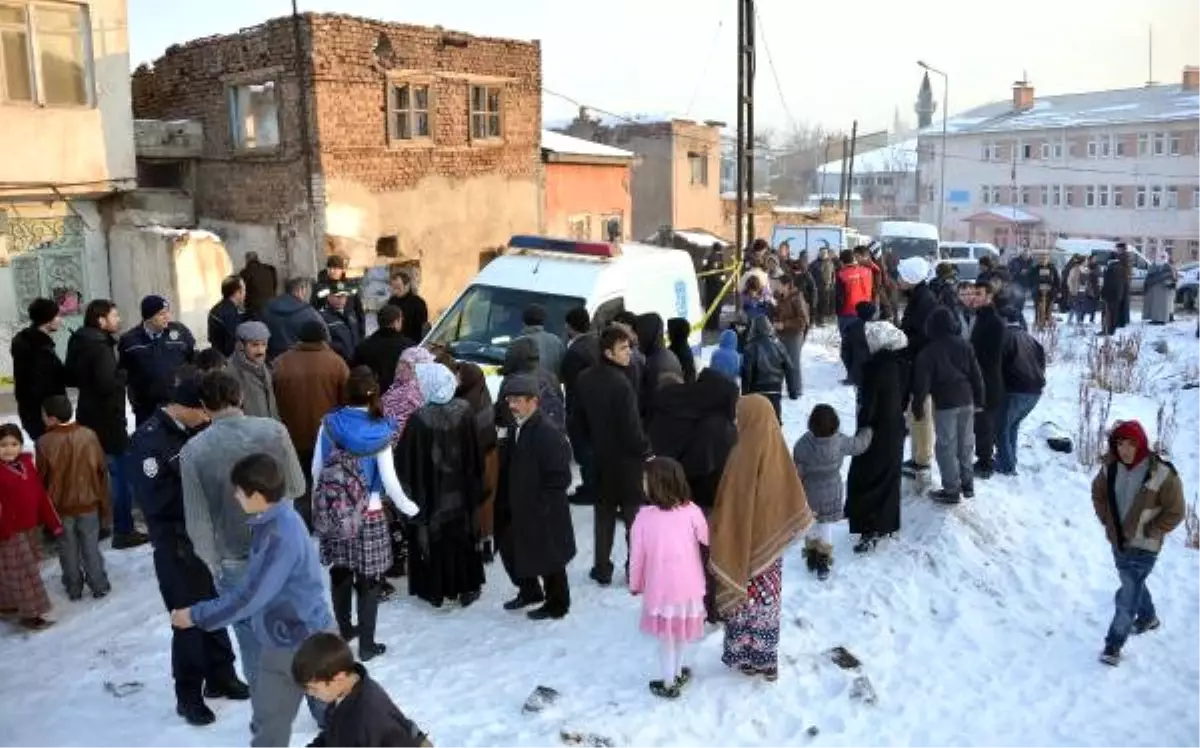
{"points": [[980, 624]]}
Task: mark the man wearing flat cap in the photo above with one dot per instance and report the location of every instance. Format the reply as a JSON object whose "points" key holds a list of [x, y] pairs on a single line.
{"points": [[152, 353], [248, 365], [533, 519]]}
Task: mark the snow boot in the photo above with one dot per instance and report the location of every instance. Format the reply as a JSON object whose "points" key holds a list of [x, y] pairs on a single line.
{"points": [[823, 553], [1145, 627], [982, 470], [866, 543], [913, 469], [942, 496], [196, 714], [1111, 656], [228, 687], [968, 490], [521, 601], [663, 691], [810, 554], [368, 613], [685, 677]]}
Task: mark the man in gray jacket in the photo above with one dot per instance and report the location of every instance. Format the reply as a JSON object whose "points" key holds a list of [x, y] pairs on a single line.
{"points": [[551, 348], [216, 524], [248, 365]]}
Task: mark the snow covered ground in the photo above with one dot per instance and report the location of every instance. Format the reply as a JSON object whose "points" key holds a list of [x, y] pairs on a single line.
{"points": [[979, 625]]}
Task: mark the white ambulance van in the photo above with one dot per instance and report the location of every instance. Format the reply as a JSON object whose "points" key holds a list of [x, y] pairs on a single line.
{"points": [[604, 278]]}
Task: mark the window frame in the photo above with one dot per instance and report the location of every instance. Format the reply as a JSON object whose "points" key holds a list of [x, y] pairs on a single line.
{"points": [[1118, 196], [1157, 197], [1024, 195], [1160, 144], [236, 139], [1144, 145], [1089, 196], [1174, 144], [1056, 196], [1068, 196], [1044, 194], [1058, 150], [1171, 197], [702, 158], [1103, 196], [1141, 197], [393, 89], [33, 56], [1118, 146], [472, 112]]}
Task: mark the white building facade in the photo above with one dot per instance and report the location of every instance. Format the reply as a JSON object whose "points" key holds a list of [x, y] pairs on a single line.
{"points": [[1118, 165]]}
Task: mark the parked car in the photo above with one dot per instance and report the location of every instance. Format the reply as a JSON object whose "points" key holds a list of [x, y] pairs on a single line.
{"points": [[1185, 290], [966, 250]]}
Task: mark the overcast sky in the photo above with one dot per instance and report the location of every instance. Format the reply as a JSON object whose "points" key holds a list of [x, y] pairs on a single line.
{"points": [[835, 61]]}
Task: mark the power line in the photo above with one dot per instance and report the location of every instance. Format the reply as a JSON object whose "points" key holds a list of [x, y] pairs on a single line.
{"points": [[712, 47], [774, 73]]}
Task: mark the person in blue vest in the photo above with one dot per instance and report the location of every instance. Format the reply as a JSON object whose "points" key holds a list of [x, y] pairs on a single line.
{"points": [[201, 661], [152, 353]]}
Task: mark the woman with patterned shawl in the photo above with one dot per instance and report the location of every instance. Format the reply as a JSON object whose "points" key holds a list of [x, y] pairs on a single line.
{"points": [[760, 508]]}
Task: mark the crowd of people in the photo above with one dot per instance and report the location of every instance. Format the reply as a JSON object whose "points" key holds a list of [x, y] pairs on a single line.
{"points": [[396, 458]]}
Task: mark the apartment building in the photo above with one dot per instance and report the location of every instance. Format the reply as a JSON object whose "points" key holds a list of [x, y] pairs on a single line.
{"points": [[1118, 164], [884, 178]]}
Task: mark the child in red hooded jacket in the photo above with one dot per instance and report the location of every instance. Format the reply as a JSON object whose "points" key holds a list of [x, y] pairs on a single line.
{"points": [[24, 506]]}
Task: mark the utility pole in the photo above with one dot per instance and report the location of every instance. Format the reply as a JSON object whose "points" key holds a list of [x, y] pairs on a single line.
{"points": [[750, 140], [841, 203], [850, 173], [744, 231], [739, 221]]}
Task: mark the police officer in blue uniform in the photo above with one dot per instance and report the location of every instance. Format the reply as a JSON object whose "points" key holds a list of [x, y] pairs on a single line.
{"points": [[152, 353], [201, 661]]}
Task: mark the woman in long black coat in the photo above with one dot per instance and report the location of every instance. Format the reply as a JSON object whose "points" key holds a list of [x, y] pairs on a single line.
{"points": [[534, 532], [873, 486]]}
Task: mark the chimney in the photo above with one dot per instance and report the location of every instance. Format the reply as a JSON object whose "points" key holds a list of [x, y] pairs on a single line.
{"points": [[1022, 95], [1191, 78]]}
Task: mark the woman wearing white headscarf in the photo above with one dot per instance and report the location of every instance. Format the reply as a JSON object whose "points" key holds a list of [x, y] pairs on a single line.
{"points": [[1158, 303], [440, 465]]}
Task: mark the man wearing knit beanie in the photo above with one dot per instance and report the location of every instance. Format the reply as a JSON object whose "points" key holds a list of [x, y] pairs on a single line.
{"points": [[38, 373], [152, 353]]}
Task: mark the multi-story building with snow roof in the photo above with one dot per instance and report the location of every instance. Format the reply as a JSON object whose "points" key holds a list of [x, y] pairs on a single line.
{"points": [[1118, 164], [884, 178]]}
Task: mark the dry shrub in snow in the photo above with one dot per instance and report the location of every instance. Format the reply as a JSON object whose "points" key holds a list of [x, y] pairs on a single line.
{"points": [[1048, 336], [826, 337], [1091, 433], [1113, 362], [1192, 525], [1167, 425]]}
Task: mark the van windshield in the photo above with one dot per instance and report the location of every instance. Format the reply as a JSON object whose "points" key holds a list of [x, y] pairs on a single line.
{"points": [[903, 247], [485, 319]]}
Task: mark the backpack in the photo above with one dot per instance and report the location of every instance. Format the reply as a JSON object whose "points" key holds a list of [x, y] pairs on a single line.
{"points": [[340, 496]]}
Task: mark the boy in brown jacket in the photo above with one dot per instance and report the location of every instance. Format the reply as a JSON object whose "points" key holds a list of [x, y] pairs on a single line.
{"points": [[75, 472], [1138, 497]]}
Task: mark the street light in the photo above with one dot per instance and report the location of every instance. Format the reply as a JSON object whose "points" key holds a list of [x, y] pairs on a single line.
{"points": [[945, 111]]}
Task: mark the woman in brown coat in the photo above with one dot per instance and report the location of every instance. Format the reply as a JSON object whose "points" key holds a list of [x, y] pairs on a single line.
{"points": [[760, 508], [472, 387]]}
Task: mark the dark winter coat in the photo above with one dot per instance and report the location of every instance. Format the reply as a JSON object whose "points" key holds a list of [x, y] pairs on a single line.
{"points": [[380, 352], [261, 283], [921, 303], [343, 331], [582, 353], [1043, 280], [223, 321], [415, 315], [806, 285], [284, 316], [1115, 288], [695, 425], [152, 363], [354, 305], [92, 367], [1023, 362], [946, 368], [854, 350], [608, 419], [659, 360], [37, 374], [678, 332], [522, 357], [987, 340], [533, 518], [156, 445], [765, 363], [873, 484], [550, 347], [368, 718]]}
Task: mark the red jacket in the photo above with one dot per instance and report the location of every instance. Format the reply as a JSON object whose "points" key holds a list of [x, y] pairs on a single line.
{"points": [[855, 284], [23, 501]]}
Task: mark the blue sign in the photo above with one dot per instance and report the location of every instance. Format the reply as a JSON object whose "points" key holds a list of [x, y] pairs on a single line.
{"points": [[958, 197], [681, 300]]}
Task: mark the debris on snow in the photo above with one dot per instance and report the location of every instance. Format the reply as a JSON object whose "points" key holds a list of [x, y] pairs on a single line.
{"points": [[844, 659], [121, 690], [590, 739], [542, 697], [861, 690]]}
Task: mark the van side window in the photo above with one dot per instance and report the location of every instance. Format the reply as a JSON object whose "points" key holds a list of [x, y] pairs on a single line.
{"points": [[606, 312]]}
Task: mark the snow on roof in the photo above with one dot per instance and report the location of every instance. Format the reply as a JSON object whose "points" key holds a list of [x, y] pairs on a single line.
{"points": [[897, 157], [565, 144], [1006, 213], [698, 237], [1145, 104], [732, 195]]}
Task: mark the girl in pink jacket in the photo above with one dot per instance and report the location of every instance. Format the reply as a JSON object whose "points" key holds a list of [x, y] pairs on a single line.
{"points": [[665, 568]]}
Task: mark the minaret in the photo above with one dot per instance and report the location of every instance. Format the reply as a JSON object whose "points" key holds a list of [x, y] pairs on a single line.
{"points": [[926, 106]]}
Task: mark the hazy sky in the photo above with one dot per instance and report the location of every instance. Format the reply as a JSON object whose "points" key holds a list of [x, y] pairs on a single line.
{"points": [[677, 56]]}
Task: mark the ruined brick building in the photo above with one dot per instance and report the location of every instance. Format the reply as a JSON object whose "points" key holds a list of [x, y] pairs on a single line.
{"points": [[329, 133]]}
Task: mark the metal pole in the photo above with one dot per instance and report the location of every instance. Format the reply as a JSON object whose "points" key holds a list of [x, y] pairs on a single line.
{"points": [[738, 234], [750, 149], [824, 163], [850, 173], [945, 155], [842, 183], [305, 137]]}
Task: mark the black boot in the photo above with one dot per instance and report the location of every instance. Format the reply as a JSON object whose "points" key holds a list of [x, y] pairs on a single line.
{"points": [[228, 687], [866, 543], [368, 612], [196, 713], [341, 590], [823, 562]]}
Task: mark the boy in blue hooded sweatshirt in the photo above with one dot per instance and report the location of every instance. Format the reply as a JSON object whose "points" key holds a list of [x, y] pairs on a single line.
{"points": [[282, 595], [726, 359]]}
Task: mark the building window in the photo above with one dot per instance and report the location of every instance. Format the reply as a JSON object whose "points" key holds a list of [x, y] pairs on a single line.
{"points": [[884, 181], [1193, 248], [1174, 144], [1068, 196], [1045, 151], [1160, 144], [1156, 197], [1118, 146], [1026, 195], [1093, 148], [1143, 144], [1089, 197], [986, 152], [485, 112], [1026, 151], [254, 116], [1118, 197], [1056, 195], [1140, 202], [45, 54], [1168, 246], [1105, 144], [1058, 150], [408, 111], [1195, 198], [1044, 195], [698, 166], [1102, 193], [1172, 197], [579, 227]]}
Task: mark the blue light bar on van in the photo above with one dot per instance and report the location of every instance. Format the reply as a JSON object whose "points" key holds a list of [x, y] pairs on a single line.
{"points": [[566, 246]]}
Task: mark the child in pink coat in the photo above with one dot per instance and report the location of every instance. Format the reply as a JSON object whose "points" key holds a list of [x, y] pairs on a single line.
{"points": [[665, 568]]}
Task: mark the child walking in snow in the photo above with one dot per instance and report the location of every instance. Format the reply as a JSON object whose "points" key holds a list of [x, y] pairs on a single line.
{"points": [[665, 568], [24, 506], [818, 456]]}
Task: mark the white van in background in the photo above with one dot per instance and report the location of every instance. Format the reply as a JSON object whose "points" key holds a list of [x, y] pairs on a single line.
{"points": [[604, 278], [811, 240], [967, 250], [906, 239]]}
